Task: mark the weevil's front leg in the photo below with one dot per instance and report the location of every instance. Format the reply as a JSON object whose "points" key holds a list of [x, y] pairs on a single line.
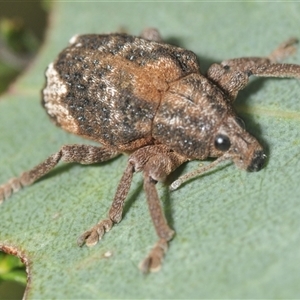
{"points": [[84, 154], [156, 162], [233, 75], [156, 169], [154, 259]]}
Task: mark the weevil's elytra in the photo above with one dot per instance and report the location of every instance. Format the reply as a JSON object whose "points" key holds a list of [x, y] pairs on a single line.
{"points": [[140, 96], [113, 97]]}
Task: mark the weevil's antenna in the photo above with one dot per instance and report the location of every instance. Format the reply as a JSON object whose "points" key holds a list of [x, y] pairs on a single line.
{"points": [[177, 183]]}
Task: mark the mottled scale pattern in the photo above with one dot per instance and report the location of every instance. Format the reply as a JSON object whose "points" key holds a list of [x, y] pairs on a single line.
{"points": [[188, 114], [109, 87]]}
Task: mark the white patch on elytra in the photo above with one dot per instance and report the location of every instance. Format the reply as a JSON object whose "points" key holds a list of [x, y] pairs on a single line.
{"points": [[53, 93], [73, 39]]}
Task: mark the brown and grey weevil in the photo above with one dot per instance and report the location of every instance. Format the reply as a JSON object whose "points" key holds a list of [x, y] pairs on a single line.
{"points": [[146, 98]]}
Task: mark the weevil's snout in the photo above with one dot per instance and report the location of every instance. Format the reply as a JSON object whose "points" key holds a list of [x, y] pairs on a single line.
{"points": [[247, 153], [237, 144], [257, 162]]}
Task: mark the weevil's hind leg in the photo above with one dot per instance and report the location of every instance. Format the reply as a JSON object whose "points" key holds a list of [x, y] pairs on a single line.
{"points": [[84, 154], [151, 34], [233, 75], [94, 234]]}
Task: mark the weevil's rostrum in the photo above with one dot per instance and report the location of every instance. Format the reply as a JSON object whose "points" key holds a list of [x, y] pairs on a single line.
{"points": [[146, 98]]}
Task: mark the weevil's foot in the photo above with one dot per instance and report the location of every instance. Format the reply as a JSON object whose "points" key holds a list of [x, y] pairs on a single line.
{"points": [[153, 262], [7, 189], [151, 34], [284, 50], [92, 236]]}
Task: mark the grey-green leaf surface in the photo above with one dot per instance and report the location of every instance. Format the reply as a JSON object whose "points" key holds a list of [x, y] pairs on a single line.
{"points": [[237, 233]]}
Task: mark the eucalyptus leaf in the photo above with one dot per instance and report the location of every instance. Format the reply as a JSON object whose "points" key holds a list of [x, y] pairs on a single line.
{"points": [[237, 233]]}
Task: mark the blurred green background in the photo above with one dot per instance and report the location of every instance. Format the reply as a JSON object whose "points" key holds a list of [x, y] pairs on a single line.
{"points": [[22, 28]]}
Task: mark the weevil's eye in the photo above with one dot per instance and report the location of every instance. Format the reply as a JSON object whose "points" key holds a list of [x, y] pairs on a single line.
{"points": [[222, 142], [240, 121]]}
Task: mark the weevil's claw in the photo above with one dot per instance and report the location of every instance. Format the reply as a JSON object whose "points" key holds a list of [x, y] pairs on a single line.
{"points": [[284, 50], [153, 262], [92, 236], [82, 239], [7, 189]]}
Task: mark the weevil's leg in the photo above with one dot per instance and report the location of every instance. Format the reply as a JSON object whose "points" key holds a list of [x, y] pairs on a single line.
{"points": [[94, 234], [233, 75], [151, 34], [84, 154], [148, 160], [284, 50], [154, 259], [156, 169]]}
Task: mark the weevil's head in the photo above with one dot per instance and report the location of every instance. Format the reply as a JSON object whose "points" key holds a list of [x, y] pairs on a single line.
{"points": [[231, 139]]}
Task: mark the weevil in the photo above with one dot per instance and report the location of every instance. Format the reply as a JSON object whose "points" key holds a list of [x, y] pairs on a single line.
{"points": [[146, 98]]}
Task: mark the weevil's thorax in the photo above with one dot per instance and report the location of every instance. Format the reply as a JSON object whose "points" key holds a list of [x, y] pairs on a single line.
{"points": [[189, 114]]}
